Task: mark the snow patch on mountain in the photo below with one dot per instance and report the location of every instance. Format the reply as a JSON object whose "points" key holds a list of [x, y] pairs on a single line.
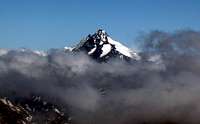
{"points": [[40, 53], [92, 50], [106, 49], [3, 52]]}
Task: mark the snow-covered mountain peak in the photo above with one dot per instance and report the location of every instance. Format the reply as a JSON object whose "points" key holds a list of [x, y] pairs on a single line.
{"points": [[101, 46]]}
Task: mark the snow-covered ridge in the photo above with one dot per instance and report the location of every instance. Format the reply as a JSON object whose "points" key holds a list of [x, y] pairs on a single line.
{"points": [[22, 50]]}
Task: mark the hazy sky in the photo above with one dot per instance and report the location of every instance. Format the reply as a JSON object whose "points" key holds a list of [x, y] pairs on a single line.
{"points": [[43, 24]]}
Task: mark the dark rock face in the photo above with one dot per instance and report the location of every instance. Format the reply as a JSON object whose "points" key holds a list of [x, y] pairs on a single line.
{"points": [[31, 111], [43, 111], [13, 114]]}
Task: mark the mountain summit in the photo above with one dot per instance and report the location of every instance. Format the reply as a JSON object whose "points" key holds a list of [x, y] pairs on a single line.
{"points": [[102, 47]]}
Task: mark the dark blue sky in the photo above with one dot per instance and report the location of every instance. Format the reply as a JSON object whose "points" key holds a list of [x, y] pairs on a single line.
{"points": [[43, 24]]}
